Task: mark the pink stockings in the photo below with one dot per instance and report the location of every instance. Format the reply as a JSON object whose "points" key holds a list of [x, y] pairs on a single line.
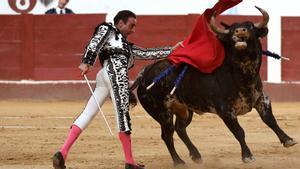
{"points": [[126, 144], [75, 132], [73, 135]]}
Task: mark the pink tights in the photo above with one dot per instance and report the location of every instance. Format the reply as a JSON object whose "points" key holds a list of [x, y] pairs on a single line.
{"points": [[73, 135]]}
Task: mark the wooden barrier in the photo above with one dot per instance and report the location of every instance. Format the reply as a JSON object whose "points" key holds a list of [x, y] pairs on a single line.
{"points": [[44, 47], [290, 41], [50, 47]]}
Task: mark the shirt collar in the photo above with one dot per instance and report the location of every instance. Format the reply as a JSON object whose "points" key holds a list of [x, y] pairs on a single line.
{"points": [[59, 9]]}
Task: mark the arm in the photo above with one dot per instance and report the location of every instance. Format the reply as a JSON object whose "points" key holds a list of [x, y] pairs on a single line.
{"points": [[153, 53], [96, 43], [92, 49], [150, 53]]}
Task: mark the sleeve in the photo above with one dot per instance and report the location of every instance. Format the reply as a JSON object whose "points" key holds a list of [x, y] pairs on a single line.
{"points": [[150, 53], [100, 37], [50, 11], [69, 11]]}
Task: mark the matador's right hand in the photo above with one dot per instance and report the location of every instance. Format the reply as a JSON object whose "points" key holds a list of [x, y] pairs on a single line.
{"points": [[84, 68]]}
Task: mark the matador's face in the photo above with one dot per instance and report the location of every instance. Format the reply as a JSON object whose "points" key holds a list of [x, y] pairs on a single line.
{"points": [[127, 28]]}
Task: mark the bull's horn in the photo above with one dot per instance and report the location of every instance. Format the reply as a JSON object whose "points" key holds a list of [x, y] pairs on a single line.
{"points": [[215, 28], [265, 18]]}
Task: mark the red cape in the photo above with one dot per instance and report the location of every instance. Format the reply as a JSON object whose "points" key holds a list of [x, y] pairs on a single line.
{"points": [[202, 49]]}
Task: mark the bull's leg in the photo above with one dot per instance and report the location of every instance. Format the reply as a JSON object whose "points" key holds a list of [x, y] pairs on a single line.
{"points": [[232, 123], [167, 132], [180, 127], [264, 108]]}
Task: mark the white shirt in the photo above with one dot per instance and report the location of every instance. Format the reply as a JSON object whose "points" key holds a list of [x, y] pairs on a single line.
{"points": [[59, 9]]}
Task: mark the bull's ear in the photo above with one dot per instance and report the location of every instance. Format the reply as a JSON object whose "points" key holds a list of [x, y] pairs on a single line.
{"points": [[262, 32]]}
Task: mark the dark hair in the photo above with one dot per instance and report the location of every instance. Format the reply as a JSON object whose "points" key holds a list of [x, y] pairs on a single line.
{"points": [[123, 15]]}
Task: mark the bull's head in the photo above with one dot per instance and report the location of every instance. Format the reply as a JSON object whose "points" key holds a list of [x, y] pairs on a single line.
{"points": [[241, 34]]}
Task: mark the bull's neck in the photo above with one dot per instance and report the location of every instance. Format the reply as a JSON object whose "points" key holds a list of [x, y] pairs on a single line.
{"points": [[246, 65]]}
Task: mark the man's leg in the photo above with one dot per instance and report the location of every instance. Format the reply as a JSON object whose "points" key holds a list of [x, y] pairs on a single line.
{"points": [[60, 156], [126, 145], [87, 115], [119, 92], [73, 135], [123, 122]]}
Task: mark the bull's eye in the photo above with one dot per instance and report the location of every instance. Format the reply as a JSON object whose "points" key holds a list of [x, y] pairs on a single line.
{"points": [[236, 31], [244, 29]]}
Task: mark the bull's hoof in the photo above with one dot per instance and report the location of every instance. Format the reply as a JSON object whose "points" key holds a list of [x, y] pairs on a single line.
{"points": [[289, 143], [197, 159], [179, 163], [180, 166], [248, 159]]}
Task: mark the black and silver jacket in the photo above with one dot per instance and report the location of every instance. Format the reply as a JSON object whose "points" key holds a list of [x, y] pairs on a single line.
{"points": [[108, 41]]}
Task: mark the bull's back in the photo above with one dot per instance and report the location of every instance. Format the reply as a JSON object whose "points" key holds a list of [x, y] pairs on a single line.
{"points": [[197, 91]]}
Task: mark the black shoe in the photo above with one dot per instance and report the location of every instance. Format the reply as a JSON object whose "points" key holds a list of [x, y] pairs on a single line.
{"points": [[58, 161], [132, 166]]}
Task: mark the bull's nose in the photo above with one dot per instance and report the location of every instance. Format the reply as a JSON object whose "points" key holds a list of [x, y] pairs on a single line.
{"points": [[241, 34], [241, 30]]}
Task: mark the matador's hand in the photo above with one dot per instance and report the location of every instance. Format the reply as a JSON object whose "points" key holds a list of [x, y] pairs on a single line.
{"points": [[84, 68]]}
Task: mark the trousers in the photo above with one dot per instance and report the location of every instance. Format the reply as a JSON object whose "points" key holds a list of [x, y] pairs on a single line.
{"points": [[111, 80]]}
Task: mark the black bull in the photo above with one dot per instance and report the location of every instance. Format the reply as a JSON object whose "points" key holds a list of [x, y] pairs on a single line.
{"points": [[232, 89]]}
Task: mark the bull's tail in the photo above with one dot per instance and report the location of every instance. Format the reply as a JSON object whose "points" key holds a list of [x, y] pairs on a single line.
{"points": [[138, 79], [132, 97]]}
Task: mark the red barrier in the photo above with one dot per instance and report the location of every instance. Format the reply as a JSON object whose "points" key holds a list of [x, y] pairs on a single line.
{"points": [[290, 41], [44, 47], [50, 47], [27, 47], [60, 42], [10, 47]]}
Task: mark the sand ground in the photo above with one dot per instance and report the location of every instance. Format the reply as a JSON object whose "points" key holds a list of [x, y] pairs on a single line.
{"points": [[31, 132]]}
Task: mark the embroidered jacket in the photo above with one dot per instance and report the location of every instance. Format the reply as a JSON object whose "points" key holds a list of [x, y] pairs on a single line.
{"points": [[108, 41]]}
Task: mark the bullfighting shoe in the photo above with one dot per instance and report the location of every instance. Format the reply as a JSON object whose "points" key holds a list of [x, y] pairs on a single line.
{"points": [[134, 166], [58, 161]]}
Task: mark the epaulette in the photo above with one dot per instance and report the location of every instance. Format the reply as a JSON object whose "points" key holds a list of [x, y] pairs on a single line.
{"points": [[110, 25]]}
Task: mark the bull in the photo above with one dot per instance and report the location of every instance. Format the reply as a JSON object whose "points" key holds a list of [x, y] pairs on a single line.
{"points": [[233, 89]]}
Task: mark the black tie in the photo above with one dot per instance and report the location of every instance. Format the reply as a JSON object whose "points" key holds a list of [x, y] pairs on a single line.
{"points": [[61, 11]]}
